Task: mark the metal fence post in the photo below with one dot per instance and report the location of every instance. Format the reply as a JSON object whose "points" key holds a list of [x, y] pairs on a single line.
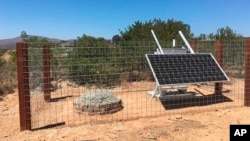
{"points": [[247, 72], [23, 86], [46, 72], [194, 45], [219, 58]]}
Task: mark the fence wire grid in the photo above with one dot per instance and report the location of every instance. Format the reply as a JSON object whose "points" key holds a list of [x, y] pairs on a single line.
{"points": [[97, 83]]}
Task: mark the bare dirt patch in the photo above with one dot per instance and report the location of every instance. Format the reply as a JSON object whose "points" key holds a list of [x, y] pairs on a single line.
{"points": [[193, 125], [6, 56]]}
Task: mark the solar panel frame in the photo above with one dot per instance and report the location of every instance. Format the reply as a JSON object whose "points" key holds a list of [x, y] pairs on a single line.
{"points": [[180, 72]]}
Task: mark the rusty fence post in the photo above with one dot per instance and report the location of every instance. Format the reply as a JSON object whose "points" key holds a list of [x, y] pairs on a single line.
{"points": [[23, 86], [247, 72], [194, 45], [219, 58], [46, 72]]}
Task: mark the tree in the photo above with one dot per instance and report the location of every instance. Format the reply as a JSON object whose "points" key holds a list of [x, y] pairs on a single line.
{"points": [[172, 28], [116, 39], [202, 37], [24, 35], [227, 33], [93, 57], [137, 31], [165, 30], [223, 33], [205, 37], [211, 36]]}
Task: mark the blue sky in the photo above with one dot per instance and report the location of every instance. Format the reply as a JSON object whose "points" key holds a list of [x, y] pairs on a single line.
{"points": [[68, 19]]}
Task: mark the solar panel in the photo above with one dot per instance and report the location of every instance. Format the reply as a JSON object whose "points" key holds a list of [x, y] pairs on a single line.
{"points": [[185, 68]]}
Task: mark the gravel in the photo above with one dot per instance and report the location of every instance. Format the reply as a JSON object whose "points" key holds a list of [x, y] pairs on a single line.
{"points": [[97, 97]]}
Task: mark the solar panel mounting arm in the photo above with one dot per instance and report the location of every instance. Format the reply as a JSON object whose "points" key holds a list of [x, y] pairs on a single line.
{"points": [[186, 42], [157, 42]]}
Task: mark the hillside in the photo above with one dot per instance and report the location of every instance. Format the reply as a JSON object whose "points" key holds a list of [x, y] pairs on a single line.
{"points": [[11, 43]]}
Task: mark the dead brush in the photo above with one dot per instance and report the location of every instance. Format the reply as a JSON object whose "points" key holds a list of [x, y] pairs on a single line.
{"points": [[8, 80]]}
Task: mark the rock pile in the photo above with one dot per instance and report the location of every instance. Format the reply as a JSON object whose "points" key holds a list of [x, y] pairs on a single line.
{"points": [[98, 102]]}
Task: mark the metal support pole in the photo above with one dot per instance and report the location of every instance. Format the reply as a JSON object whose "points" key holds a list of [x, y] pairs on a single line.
{"points": [[194, 45], [23, 86], [219, 58], [186, 42], [46, 73], [157, 42], [247, 72], [173, 42]]}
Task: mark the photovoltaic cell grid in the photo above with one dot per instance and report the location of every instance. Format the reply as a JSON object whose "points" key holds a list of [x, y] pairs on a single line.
{"points": [[185, 68]]}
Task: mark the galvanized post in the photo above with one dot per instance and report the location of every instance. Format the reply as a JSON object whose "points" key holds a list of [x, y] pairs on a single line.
{"points": [[247, 72], [23, 86], [46, 72], [219, 58]]}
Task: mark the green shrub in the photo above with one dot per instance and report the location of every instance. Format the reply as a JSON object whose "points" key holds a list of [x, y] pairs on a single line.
{"points": [[94, 64]]}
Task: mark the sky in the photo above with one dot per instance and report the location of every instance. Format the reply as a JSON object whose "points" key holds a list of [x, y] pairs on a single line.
{"points": [[69, 19]]}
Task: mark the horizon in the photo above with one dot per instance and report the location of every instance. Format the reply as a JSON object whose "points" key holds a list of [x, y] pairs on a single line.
{"points": [[65, 20]]}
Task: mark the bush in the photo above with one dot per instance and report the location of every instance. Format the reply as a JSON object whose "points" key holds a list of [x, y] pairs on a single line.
{"points": [[93, 65], [2, 51], [8, 80], [105, 65]]}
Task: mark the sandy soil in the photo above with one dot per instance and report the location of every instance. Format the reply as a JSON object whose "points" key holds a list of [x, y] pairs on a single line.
{"points": [[189, 124], [6, 56]]}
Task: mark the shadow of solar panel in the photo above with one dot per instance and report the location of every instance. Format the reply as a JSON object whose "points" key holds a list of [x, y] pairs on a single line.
{"points": [[185, 68]]}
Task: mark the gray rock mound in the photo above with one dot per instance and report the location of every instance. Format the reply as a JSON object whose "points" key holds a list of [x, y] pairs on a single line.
{"points": [[98, 102], [97, 97]]}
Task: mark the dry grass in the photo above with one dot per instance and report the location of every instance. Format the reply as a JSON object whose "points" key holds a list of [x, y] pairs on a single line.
{"points": [[8, 80], [7, 87]]}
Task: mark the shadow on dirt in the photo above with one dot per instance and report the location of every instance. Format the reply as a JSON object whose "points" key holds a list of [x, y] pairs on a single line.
{"points": [[175, 103], [49, 126]]}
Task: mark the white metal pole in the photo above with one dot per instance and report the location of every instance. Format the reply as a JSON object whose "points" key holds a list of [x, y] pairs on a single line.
{"points": [[186, 42], [157, 42], [173, 42]]}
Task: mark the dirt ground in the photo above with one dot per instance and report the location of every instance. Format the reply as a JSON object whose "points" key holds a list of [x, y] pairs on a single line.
{"points": [[205, 125]]}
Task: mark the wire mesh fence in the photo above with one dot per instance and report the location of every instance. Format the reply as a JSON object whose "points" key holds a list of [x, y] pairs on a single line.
{"points": [[102, 82]]}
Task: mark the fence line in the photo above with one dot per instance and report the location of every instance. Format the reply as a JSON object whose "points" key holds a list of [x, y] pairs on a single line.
{"points": [[23, 86], [219, 57], [46, 72], [247, 73], [53, 82]]}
